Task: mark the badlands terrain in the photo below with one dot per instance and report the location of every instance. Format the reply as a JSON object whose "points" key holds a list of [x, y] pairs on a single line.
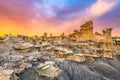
{"points": [[81, 55]]}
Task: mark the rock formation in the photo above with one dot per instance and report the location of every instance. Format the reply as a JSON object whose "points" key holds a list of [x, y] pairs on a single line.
{"points": [[83, 55], [8, 75], [86, 34], [48, 69], [86, 31], [24, 47]]}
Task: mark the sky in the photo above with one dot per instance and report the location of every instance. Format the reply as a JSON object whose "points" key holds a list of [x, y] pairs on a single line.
{"points": [[35, 17]]}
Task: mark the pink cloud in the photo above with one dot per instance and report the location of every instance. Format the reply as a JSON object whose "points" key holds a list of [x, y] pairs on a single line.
{"points": [[27, 15]]}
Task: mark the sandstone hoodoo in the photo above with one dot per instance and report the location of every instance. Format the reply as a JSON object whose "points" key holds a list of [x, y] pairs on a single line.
{"points": [[86, 33]]}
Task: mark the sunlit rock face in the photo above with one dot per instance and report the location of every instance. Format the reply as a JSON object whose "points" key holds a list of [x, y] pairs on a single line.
{"points": [[108, 38], [86, 31]]}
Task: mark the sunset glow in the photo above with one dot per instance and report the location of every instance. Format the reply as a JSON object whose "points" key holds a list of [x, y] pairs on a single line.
{"points": [[34, 17]]}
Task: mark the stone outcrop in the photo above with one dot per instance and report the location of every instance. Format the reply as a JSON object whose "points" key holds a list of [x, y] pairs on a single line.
{"points": [[8, 75], [48, 69], [22, 68], [108, 38], [24, 47], [3, 47], [108, 54], [86, 33], [60, 50]]}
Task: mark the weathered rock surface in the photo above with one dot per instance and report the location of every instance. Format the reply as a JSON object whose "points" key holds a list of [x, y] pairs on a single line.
{"points": [[3, 47], [24, 47], [48, 69], [96, 71], [8, 75]]}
